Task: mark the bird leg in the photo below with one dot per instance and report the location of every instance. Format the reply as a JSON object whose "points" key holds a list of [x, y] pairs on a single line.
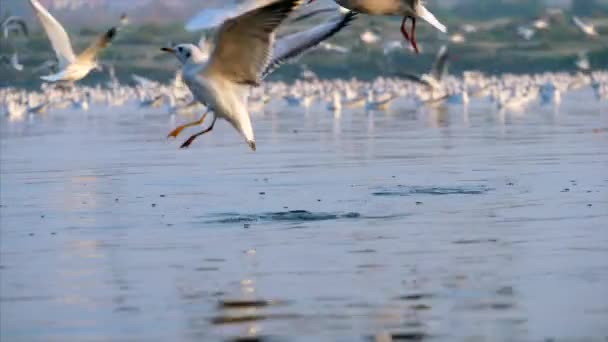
{"points": [[414, 42], [188, 142], [411, 38], [179, 129]]}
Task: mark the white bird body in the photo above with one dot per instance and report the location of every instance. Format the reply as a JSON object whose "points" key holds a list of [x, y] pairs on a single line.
{"points": [[368, 37], [393, 45], [336, 102], [228, 99], [73, 72], [540, 24], [15, 110], [458, 38], [582, 62], [526, 33]]}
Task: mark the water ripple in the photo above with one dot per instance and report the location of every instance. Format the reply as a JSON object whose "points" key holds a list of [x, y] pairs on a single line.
{"points": [[290, 216], [406, 190]]}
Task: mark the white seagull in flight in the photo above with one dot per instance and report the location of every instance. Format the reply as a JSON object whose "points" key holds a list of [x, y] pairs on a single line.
{"points": [[245, 52], [71, 67]]}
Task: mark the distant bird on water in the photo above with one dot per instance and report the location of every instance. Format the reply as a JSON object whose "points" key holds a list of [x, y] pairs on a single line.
{"points": [[409, 9], [71, 67]]}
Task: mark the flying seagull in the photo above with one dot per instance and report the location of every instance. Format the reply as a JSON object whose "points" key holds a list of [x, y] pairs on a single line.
{"points": [[245, 52], [71, 67], [409, 9], [432, 80], [14, 24]]}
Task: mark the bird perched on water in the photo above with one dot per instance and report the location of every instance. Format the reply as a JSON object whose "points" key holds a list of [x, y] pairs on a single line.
{"points": [[409, 9], [245, 52], [582, 62], [71, 67]]}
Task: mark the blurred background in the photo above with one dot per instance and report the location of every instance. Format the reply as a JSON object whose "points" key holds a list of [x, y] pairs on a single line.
{"points": [[493, 36]]}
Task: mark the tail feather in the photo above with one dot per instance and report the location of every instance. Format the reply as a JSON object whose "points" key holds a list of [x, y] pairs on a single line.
{"points": [[429, 17]]}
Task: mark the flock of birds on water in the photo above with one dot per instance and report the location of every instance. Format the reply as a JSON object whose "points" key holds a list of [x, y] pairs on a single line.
{"points": [[227, 80]]}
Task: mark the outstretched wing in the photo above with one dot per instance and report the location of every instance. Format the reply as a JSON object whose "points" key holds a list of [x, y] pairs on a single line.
{"points": [[13, 21], [415, 78], [56, 33], [243, 44], [312, 14], [440, 66], [578, 22], [90, 54], [294, 45]]}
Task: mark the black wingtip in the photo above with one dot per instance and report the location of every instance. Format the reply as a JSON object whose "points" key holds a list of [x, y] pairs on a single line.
{"points": [[111, 33], [350, 16]]}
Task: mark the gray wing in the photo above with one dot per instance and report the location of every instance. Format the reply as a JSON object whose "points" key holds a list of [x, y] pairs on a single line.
{"points": [[440, 66], [294, 45], [243, 44], [311, 14], [56, 33], [415, 78]]}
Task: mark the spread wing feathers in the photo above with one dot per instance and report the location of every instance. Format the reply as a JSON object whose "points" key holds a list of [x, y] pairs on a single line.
{"points": [[578, 22], [90, 54], [440, 66], [243, 44], [312, 14], [294, 45], [12, 23], [415, 78], [56, 33]]}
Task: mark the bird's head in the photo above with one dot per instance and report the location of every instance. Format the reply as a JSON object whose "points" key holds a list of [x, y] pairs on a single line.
{"points": [[185, 53]]}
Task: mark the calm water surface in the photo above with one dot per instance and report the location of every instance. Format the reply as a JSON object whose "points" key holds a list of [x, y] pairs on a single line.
{"points": [[406, 225]]}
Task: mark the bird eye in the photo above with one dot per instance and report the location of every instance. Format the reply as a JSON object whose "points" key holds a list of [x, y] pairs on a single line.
{"points": [[188, 55], [180, 49]]}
